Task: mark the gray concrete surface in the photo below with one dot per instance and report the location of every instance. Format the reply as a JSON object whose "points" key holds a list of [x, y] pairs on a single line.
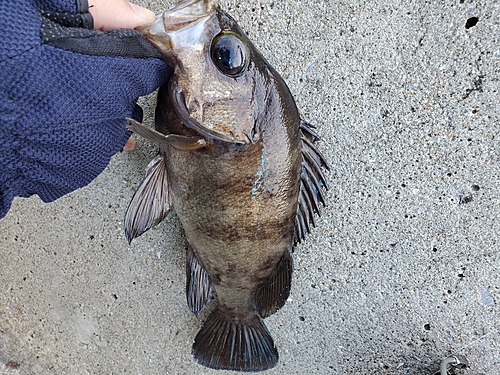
{"points": [[403, 267]]}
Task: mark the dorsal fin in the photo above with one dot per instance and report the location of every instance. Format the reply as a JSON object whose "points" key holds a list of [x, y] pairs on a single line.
{"points": [[313, 182], [151, 202]]}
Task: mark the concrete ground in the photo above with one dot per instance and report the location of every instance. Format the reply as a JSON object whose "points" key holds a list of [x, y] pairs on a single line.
{"points": [[403, 268]]}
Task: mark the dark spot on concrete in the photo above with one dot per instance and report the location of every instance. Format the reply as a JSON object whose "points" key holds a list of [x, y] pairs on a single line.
{"points": [[12, 364], [471, 22], [478, 86], [464, 199], [427, 327]]}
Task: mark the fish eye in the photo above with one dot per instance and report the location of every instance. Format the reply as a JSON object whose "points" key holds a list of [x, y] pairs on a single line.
{"points": [[229, 54]]}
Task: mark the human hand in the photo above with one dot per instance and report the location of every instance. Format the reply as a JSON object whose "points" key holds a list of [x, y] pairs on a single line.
{"points": [[67, 89], [117, 14]]}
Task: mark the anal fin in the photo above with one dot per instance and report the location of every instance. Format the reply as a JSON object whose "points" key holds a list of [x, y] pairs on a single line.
{"points": [[273, 294], [198, 284], [151, 202], [233, 344]]}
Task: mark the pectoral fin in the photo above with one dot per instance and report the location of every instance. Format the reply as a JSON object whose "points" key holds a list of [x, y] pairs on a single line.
{"points": [[179, 142], [151, 202]]}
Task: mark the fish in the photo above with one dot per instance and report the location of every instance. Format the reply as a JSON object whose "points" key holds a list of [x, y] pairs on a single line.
{"points": [[241, 169]]}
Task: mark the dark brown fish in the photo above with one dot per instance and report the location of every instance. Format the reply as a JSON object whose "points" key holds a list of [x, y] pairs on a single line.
{"points": [[239, 166]]}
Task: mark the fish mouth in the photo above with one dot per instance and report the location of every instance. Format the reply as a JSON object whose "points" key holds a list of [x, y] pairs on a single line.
{"points": [[180, 16], [186, 12], [181, 30], [193, 7]]}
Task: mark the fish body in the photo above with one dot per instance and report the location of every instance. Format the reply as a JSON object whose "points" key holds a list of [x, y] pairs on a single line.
{"points": [[239, 166]]}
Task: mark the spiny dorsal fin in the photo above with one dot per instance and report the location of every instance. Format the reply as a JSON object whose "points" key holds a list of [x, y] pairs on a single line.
{"points": [[151, 202], [198, 284], [233, 344], [273, 294], [313, 182]]}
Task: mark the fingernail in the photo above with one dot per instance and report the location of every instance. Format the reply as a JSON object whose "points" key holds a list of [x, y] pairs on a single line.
{"points": [[147, 16]]}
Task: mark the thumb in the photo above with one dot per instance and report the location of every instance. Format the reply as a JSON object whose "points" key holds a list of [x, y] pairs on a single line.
{"points": [[117, 14]]}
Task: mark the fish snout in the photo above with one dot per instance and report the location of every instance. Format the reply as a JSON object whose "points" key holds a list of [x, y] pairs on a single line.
{"points": [[180, 28], [186, 12], [193, 7], [157, 35]]}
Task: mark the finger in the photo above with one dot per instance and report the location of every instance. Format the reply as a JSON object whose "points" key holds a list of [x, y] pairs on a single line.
{"points": [[117, 14], [130, 145]]}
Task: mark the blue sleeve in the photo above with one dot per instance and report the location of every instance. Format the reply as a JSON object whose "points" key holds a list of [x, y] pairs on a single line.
{"points": [[62, 113]]}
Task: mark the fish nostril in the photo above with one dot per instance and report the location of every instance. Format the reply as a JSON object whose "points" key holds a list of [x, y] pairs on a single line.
{"points": [[191, 106], [194, 109]]}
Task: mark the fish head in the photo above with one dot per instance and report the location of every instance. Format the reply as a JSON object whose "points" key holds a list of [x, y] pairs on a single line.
{"points": [[218, 73]]}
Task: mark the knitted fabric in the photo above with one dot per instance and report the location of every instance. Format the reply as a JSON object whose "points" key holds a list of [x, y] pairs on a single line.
{"points": [[62, 114]]}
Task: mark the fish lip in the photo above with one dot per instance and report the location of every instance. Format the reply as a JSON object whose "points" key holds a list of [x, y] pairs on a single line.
{"points": [[179, 16], [156, 34], [182, 16], [200, 8], [186, 13]]}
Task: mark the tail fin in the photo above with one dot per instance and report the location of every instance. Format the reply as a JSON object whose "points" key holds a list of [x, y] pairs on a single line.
{"points": [[228, 344]]}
